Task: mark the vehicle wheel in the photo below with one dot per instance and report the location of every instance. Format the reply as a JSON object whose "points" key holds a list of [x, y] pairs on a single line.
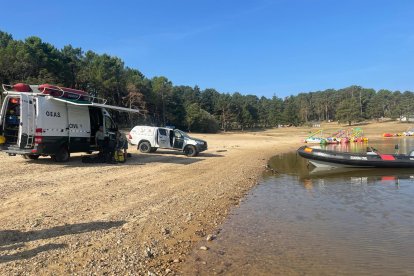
{"points": [[62, 155], [144, 147], [190, 151], [153, 149], [33, 156]]}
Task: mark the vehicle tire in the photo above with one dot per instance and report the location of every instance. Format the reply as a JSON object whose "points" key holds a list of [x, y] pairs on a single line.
{"points": [[62, 155], [190, 151], [153, 149], [144, 147], [33, 156]]}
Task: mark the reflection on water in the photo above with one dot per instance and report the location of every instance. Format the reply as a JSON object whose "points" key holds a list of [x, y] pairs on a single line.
{"points": [[305, 221]]}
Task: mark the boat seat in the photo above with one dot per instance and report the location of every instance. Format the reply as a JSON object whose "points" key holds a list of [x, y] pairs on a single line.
{"points": [[387, 157]]}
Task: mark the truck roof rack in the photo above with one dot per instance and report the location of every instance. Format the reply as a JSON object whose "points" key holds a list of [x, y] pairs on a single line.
{"points": [[55, 91], [60, 96]]}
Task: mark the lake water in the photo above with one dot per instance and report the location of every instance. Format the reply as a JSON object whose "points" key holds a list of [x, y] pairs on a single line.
{"points": [[304, 221]]}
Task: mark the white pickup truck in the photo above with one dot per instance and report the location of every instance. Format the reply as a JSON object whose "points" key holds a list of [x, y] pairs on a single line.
{"points": [[149, 139]]}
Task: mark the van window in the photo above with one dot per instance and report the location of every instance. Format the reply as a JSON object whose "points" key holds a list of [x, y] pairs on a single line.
{"points": [[162, 131], [109, 124]]}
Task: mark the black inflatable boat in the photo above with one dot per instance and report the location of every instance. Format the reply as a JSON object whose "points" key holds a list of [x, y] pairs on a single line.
{"points": [[371, 159]]}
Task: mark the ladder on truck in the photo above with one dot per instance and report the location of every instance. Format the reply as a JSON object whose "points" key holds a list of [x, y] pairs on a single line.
{"points": [[67, 95]]}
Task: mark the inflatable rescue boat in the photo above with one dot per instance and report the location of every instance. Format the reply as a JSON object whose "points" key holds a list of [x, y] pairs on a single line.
{"points": [[370, 159]]}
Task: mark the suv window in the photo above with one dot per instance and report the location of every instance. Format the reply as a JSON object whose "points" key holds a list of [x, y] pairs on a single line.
{"points": [[162, 131]]}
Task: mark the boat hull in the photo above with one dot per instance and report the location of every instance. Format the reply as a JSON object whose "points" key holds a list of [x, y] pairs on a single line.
{"points": [[327, 158], [324, 164]]}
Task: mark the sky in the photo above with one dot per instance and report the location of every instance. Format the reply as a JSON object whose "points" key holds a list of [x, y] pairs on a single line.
{"points": [[262, 47]]}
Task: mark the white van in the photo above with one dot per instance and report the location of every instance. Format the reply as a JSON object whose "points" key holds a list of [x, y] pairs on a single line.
{"points": [[36, 124], [149, 139]]}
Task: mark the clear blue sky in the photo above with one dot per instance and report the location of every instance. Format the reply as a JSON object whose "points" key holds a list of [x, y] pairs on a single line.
{"points": [[261, 47]]}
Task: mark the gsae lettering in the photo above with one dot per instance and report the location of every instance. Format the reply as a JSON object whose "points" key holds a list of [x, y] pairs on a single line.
{"points": [[53, 114]]}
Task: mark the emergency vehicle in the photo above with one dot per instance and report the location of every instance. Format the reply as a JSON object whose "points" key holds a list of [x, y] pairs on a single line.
{"points": [[148, 139], [47, 120]]}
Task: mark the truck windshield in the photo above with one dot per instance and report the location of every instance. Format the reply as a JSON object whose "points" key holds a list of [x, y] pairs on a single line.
{"points": [[182, 133]]}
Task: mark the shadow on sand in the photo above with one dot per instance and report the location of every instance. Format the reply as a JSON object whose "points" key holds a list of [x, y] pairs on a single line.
{"points": [[14, 239], [161, 156]]}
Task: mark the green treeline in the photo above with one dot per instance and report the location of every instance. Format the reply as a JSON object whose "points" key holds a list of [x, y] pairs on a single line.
{"points": [[189, 108]]}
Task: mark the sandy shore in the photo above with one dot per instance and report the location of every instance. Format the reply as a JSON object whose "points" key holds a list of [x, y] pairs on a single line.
{"points": [[142, 216]]}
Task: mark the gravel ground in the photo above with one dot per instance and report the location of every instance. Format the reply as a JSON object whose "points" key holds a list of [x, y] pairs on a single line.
{"points": [[139, 218]]}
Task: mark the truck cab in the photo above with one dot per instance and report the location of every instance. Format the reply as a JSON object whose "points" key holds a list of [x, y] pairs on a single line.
{"points": [[149, 139]]}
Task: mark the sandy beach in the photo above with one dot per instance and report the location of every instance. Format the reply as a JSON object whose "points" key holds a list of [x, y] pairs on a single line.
{"points": [[141, 217]]}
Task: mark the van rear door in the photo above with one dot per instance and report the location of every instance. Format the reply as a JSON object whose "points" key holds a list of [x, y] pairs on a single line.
{"points": [[27, 122]]}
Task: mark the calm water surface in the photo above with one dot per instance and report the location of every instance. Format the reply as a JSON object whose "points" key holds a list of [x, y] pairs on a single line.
{"points": [[304, 221]]}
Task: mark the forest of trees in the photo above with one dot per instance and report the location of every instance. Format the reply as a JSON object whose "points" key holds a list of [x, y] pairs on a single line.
{"points": [[189, 108]]}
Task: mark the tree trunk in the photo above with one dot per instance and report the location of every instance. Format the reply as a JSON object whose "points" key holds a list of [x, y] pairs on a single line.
{"points": [[223, 122]]}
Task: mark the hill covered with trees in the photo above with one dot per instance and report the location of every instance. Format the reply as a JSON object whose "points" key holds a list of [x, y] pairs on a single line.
{"points": [[161, 102]]}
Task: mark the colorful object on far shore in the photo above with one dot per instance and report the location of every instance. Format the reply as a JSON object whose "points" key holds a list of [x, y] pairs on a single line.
{"points": [[341, 136], [313, 139], [357, 135], [409, 132], [332, 140]]}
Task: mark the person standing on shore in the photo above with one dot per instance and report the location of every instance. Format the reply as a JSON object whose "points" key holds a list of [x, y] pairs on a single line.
{"points": [[121, 143]]}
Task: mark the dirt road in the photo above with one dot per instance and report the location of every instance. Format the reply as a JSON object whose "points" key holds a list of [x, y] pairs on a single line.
{"points": [[140, 217]]}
